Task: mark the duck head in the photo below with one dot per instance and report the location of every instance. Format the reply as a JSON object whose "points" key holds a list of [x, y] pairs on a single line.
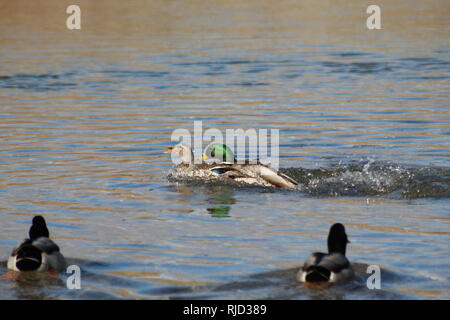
{"points": [[337, 239], [38, 228], [218, 152], [184, 152]]}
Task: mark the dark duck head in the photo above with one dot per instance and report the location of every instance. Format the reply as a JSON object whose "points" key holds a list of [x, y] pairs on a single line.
{"points": [[337, 239], [38, 228]]}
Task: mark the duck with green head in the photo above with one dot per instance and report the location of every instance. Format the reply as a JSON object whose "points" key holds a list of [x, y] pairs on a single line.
{"points": [[220, 164]]}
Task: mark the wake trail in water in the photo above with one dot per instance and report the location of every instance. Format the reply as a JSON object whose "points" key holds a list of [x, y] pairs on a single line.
{"points": [[373, 179]]}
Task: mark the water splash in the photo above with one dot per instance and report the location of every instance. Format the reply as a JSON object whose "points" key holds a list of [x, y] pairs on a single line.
{"points": [[374, 179], [363, 178]]}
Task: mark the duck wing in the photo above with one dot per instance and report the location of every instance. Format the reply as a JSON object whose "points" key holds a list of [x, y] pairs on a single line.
{"points": [[45, 245], [271, 175], [334, 262], [229, 171], [254, 171], [276, 178], [320, 267]]}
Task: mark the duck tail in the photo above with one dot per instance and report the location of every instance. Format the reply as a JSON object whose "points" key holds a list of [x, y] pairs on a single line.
{"points": [[29, 258], [317, 274]]}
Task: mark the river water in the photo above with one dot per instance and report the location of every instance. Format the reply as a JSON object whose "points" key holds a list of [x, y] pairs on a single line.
{"points": [[364, 126]]}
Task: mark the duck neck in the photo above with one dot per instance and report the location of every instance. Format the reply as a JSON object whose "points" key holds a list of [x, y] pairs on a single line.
{"points": [[37, 231], [336, 246]]}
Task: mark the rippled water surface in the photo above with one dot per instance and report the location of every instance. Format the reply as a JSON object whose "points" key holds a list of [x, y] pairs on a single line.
{"points": [[364, 124]]}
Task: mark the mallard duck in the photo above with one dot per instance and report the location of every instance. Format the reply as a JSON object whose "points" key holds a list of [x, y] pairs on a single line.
{"points": [[331, 267], [38, 253], [256, 174]]}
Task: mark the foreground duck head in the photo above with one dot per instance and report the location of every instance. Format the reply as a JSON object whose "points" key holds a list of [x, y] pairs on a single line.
{"points": [[337, 239], [38, 228]]}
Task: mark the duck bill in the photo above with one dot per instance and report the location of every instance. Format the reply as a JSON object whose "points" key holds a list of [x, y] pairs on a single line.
{"points": [[203, 157], [170, 149]]}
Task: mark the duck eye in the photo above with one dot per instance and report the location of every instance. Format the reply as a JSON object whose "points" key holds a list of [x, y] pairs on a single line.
{"points": [[213, 152]]}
